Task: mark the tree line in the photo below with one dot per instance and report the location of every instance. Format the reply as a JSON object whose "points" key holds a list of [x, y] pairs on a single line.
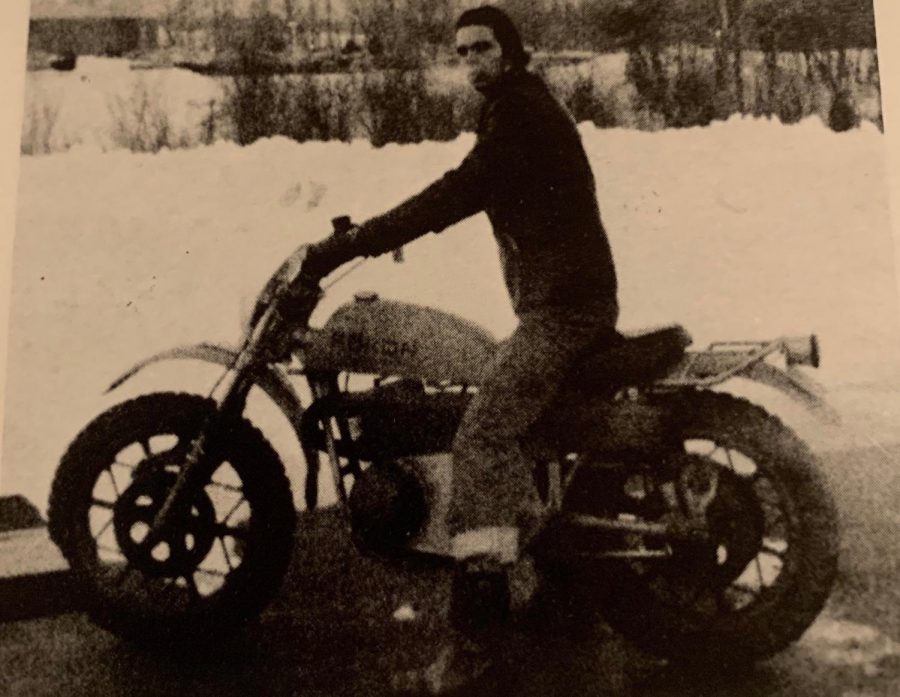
{"points": [[407, 30]]}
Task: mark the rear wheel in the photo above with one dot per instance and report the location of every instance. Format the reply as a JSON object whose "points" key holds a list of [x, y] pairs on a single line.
{"points": [[767, 565], [224, 557]]}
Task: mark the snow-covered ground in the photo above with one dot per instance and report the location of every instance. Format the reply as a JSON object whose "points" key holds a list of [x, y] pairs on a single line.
{"points": [[744, 230]]}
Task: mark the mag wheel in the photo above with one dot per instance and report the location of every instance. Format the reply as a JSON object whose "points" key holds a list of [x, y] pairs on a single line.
{"points": [[766, 566], [221, 560]]}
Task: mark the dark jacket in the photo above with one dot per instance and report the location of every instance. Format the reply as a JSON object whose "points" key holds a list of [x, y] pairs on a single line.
{"points": [[528, 171]]}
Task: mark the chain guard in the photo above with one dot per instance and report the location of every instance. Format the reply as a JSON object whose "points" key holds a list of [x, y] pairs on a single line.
{"points": [[718, 502]]}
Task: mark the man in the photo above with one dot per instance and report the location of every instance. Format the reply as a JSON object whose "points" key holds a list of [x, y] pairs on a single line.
{"points": [[528, 171]]}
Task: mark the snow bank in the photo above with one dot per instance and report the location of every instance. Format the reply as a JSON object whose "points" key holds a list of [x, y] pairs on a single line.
{"points": [[743, 230], [85, 106]]}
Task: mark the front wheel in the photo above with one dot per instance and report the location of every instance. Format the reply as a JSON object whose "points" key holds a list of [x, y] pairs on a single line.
{"points": [[768, 565], [221, 561]]}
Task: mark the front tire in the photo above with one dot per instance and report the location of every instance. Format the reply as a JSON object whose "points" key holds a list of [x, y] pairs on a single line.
{"points": [[225, 559], [777, 526]]}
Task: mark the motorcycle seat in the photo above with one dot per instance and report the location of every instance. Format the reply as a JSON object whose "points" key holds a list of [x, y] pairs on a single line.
{"points": [[621, 360]]}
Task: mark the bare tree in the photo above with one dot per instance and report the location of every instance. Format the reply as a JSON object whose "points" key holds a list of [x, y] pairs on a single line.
{"points": [[397, 32], [729, 44], [223, 24], [429, 21], [180, 20], [378, 21], [289, 10], [313, 26], [260, 7], [529, 16], [329, 28]]}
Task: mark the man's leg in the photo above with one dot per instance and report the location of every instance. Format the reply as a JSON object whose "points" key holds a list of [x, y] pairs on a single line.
{"points": [[494, 496], [493, 491]]}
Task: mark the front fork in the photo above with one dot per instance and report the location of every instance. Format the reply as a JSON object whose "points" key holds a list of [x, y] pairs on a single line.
{"points": [[322, 386], [199, 463]]}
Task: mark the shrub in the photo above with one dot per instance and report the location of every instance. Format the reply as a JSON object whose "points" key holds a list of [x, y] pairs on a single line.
{"points": [[842, 115], [313, 108], [586, 103], [250, 106], [38, 127], [140, 122], [790, 102], [208, 127], [306, 108], [398, 107], [646, 72], [833, 70], [691, 99], [683, 94]]}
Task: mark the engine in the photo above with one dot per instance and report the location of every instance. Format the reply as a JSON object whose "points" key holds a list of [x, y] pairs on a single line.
{"points": [[391, 431], [392, 420]]}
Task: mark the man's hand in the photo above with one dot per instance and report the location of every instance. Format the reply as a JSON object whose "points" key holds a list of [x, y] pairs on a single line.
{"points": [[292, 267], [281, 281], [294, 277], [300, 274]]}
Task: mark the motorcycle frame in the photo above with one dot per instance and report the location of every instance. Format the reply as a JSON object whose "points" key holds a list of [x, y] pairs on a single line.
{"points": [[703, 369]]}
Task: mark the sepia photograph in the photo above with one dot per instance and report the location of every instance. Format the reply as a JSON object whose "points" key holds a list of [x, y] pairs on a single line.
{"points": [[450, 347]]}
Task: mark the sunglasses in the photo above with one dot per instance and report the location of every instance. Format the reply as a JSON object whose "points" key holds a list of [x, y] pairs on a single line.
{"points": [[478, 47]]}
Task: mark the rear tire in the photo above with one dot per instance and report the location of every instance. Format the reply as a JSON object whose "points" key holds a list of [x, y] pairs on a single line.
{"points": [[230, 552], [797, 540]]}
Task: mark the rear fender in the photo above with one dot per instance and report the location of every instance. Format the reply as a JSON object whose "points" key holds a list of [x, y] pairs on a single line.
{"points": [[796, 385], [710, 368]]}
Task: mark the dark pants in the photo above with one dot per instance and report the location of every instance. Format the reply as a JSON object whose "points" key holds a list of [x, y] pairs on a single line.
{"points": [[493, 485]]}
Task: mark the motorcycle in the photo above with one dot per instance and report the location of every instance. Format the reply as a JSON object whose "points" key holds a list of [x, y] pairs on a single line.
{"points": [[177, 519]]}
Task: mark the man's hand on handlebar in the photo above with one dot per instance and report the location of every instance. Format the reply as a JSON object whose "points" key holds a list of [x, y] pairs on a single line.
{"points": [[288, 280], [291, 270], [296, 283]]}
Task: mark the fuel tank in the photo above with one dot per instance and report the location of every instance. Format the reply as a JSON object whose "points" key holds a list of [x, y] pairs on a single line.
{"points": [[387, 337]]}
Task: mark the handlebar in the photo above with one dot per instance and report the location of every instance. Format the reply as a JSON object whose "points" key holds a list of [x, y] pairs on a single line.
{"points": [[287, 292], [279, 285], [285, 284]]}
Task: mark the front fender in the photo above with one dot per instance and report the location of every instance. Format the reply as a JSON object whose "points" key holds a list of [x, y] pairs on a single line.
{"points": [[271, 381]]}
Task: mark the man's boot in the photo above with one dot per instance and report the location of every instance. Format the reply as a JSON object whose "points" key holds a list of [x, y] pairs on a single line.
{"points": [[479, 612], [479, 598]]}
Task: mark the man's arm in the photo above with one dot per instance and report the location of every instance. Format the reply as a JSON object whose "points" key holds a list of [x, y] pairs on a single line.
{"points": [[458, 194]]}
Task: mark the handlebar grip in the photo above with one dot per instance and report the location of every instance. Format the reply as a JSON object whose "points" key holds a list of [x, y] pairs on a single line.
{"points": [[341, 224]]}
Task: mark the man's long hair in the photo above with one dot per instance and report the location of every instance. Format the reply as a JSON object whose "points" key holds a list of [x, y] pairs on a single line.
{"points": [[504, 29]]}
